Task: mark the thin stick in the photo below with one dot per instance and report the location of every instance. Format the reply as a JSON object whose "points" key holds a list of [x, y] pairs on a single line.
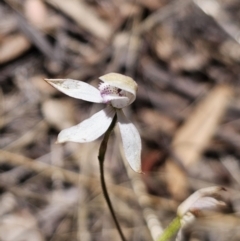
{"points": [[101, 157]]}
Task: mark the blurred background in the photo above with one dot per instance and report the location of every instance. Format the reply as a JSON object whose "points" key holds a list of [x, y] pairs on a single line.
{"points": [[185, 57]]}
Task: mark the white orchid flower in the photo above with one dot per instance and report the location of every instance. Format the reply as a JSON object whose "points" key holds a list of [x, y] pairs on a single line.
{"points": [[205, 199], [201, 203], [117, 91]]}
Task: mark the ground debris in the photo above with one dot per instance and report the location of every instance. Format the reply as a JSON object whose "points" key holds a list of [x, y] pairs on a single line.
{"points": [[185, 57]]}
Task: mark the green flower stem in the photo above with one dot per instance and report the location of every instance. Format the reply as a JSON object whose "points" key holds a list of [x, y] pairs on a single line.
{"points": [[171, 229], [101, 156]]}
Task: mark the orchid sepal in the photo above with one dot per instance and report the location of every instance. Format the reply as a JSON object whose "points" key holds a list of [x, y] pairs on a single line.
{"points": [[131, 141], [77, 89], [90, 129]]}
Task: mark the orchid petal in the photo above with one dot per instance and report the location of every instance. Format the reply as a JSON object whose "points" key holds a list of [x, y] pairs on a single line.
{"points": [[186, 206], [77, 89], [122, 82], [207, 204], [131, 141], [90, 129]]}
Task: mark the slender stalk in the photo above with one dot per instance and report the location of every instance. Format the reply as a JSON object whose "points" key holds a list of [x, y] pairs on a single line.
{"points": [[101, 156], [171, 229]]}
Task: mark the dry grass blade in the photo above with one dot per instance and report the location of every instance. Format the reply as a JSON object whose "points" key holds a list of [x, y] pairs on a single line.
{"points": [[84, 16], [69, 176]]}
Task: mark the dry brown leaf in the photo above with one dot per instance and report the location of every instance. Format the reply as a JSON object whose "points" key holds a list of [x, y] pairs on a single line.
{"points": [[8, 203], [157, 121], [192, 61], [193, 137], [176, 180], [19, 226], [12, 47], [35, 12], [59, 113], [219, 227], [42, 86]]}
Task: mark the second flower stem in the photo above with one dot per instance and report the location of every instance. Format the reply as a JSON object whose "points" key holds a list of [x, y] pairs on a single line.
{"points": [[101, 157], [171, 229]]}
